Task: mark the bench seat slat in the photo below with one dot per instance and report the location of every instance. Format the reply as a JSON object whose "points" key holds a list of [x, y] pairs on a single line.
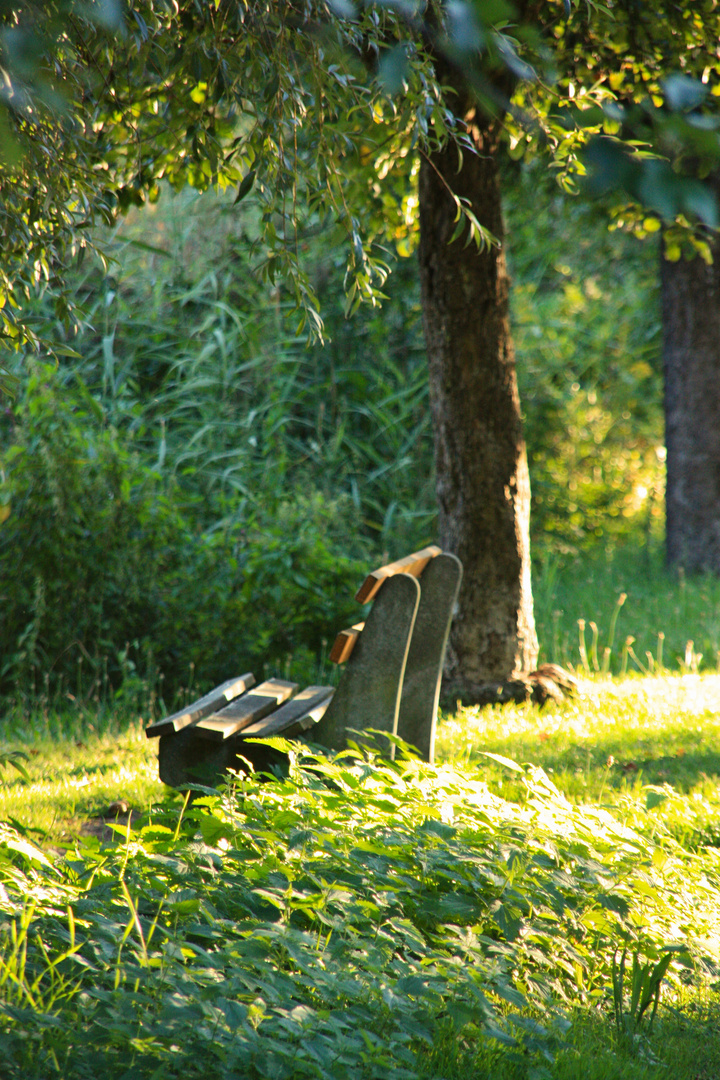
{"points": [[246, 710], [301, 713], [210, 703], [412, 564]]}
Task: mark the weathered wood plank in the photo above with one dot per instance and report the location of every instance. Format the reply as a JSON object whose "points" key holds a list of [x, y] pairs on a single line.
{"points": [[345, 643], [210, 703], [299, 714], [368, 694], [412, 564], [417, 717], [245, 710]]}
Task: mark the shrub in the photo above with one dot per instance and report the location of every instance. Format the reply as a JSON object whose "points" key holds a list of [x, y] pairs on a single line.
{"points": [[98, 549]]}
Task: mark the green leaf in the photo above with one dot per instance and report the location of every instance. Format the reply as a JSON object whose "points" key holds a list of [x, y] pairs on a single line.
{"points": [[393, 69], [65, 350], [654, 797], [683, 92], [24, 847], [700, 200], [245, 186], [438, 828], [16, 758], [503, 761], [465, 30]]}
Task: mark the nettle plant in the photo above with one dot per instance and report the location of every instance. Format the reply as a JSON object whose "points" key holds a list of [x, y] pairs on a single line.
{"points": [[352, 920]]}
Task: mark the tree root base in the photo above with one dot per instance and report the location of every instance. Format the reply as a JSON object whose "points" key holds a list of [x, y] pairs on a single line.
{"points": [[549, 682]]}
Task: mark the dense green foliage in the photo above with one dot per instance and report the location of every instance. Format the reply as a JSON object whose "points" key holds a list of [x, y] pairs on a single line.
{"points": [[650, 71], [190, 492], [357, 919], [102, 104], [105, 562], [586, 324], [627, 602], [151, 484], [645, 748], [197, 488]]}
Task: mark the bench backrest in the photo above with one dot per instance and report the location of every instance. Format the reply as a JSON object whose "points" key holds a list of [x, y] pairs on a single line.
{"points": [[413, 564], [391, 684]]}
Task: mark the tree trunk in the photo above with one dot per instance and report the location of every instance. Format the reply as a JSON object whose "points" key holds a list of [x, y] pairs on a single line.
{"points": [[483, 485], [691, 356]]}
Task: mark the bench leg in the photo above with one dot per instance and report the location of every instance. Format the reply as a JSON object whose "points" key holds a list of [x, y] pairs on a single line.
{"points": [[421, 686], [185, 758], [368, 694]]}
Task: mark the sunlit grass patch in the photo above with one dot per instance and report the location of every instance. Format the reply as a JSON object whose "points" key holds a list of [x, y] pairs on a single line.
{"points": [[649, 748], [612, 735], [622, 610], [71, 780]]}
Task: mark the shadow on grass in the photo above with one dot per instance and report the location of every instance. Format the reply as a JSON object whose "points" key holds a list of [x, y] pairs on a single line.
{"points": [[583, 770], [684, 1044], [683, 771]]}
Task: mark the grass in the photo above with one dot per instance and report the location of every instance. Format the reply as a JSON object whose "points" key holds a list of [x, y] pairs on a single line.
{"points": [[612, 739], [410, 922], [611, 745], [73, 778], [647, 749], [407, 852], [686, 1044], [666, 621]]}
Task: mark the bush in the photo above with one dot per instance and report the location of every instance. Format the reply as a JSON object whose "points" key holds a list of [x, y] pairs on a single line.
{"points": [[99, 549]]}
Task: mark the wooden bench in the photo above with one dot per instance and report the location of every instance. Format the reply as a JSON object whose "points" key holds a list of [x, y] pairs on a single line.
{"points": [[391, 671]]}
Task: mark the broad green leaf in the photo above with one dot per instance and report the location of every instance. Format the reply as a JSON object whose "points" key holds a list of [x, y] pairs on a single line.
{"points": [[503, 761], [654, 798]]}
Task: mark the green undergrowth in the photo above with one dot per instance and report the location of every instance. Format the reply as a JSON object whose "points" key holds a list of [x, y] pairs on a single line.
{"points": [[190, 481], [365, 919], [621, 610], [356, 919], [648, 749]]}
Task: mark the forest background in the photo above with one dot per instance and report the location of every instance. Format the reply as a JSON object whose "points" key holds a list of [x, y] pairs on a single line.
{"points": [[193, 483], [178, 489]]}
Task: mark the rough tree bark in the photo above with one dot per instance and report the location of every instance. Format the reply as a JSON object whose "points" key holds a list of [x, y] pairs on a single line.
{"points": [[691, 356], [483, 486]]}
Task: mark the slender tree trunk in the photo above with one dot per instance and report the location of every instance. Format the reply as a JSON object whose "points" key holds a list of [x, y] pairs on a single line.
{"points": [[483, 484], [691, 354]]}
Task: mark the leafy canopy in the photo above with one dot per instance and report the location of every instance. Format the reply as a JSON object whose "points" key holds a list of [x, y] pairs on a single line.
{"points": [[320, 108], [289, 100], [648, 77]]}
